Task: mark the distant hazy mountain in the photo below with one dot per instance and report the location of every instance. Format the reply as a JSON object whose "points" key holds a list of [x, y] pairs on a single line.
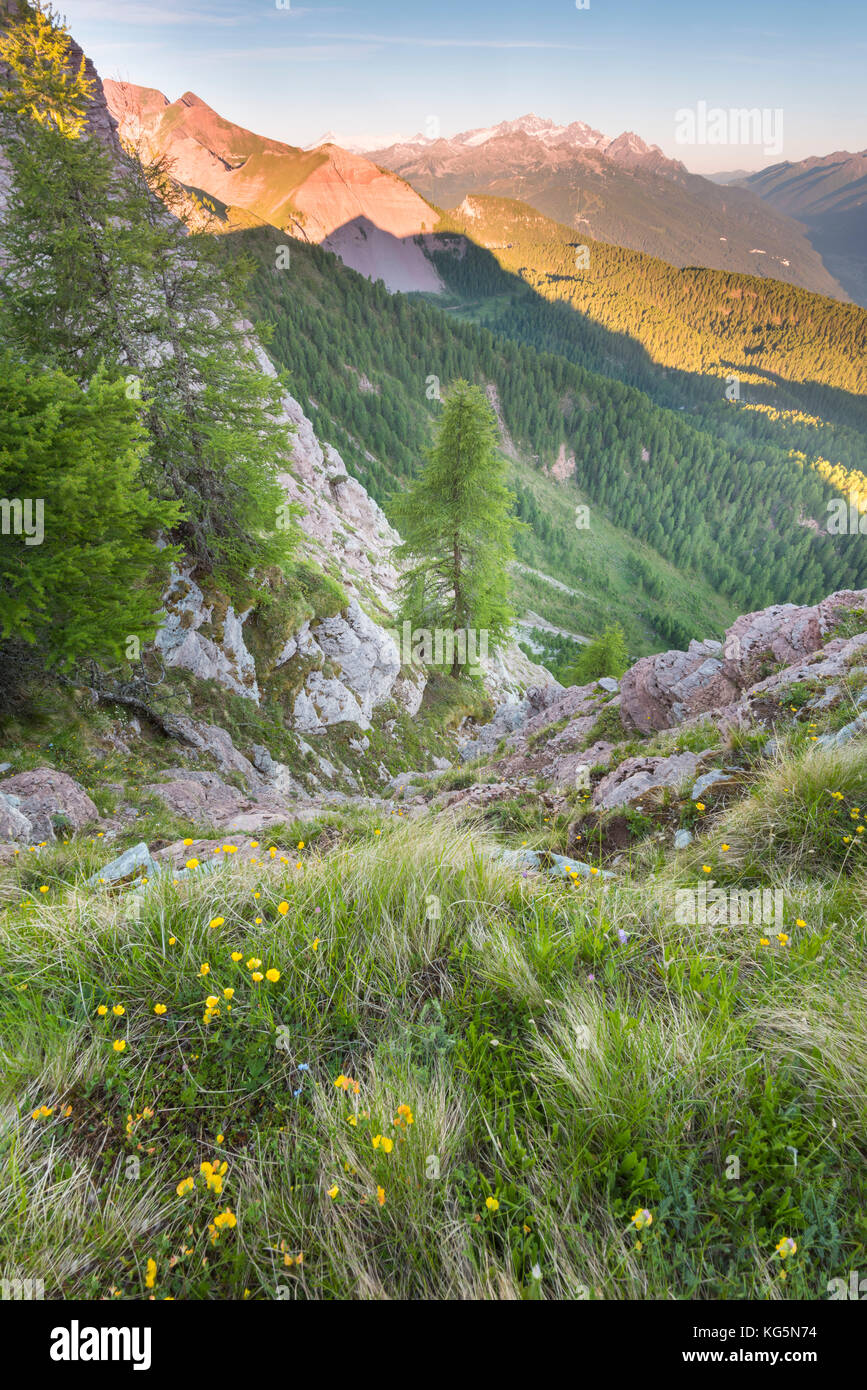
{"points": [[729, 176], [828, 194], [618, 190], [327, 195]]}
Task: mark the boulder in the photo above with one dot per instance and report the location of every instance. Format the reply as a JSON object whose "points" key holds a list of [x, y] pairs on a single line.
{"points": [[844, 735], [711, 779], [202, 796], [669, 687], [556, 865], [637, 776], [561, 866], [135, 862], [50, 801], [174, 857]]}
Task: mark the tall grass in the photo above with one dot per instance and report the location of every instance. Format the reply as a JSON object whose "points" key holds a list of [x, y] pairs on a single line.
{"points": [[566, 1056]]}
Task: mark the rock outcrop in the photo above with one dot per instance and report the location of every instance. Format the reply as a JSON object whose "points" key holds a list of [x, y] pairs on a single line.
{"points": [[669, 688], [635, 777], [367, 665], [43, 803], [223, 657]]}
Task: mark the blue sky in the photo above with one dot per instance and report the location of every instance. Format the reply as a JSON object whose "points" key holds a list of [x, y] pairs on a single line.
{"points": [[373, 70]]}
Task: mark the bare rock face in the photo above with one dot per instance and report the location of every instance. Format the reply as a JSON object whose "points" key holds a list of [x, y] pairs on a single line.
{"points": [[834, 659], [13, 825], [364, 654], [340, 520], [509, 674], [202, 797], [45, 796], [211, 739], [278, 777], [222, 657], [637, 776], [366, 666], [666, 689], [409, 690], [514, 719], [782, 635]]}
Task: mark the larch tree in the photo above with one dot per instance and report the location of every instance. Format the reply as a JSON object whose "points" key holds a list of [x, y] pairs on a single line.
{"points": [[457, 524]]}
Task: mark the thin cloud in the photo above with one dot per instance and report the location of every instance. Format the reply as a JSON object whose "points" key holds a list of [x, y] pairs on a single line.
{"points": [[145, 16], [314, 53], [415, 42]]}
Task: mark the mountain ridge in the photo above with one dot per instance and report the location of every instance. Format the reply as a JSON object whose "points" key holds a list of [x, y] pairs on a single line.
{"points": [[620, 191], [827, 194], [326, 195]]}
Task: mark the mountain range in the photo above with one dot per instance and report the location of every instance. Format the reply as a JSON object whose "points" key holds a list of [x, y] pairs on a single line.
{"points": [[620, 190], [369, 208]]}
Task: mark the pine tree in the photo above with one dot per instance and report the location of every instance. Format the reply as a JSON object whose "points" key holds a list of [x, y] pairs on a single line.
{"points": [[80, 570], [457, 522], [95, 270]]}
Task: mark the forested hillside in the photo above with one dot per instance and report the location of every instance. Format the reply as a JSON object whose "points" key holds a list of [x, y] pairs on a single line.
{"points": [[728, 512], [708, 322]]}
